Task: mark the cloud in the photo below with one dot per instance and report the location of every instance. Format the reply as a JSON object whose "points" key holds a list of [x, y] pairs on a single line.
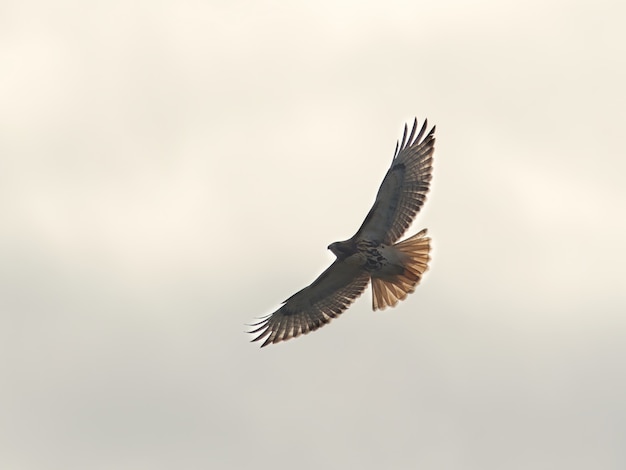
{"points": [[168, 173]]}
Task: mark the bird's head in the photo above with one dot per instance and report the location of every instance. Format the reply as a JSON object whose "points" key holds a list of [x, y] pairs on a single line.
{"points": [[341, 249]]}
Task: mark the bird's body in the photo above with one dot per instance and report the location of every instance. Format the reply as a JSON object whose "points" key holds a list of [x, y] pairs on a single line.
{"points": [[373, 253]]}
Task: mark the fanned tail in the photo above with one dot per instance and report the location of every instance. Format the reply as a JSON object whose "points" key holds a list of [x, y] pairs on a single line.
{"points": [[415, 254]]}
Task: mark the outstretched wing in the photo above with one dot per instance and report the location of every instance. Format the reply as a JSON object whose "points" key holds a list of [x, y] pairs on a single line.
{"points": [[403, 191], [314, 306]]}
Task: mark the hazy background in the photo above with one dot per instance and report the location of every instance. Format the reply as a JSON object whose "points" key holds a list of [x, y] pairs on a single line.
{"points": [[171, 170]]}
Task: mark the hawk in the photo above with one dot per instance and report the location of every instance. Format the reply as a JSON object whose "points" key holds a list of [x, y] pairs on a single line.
{"points": [[372, 253]]}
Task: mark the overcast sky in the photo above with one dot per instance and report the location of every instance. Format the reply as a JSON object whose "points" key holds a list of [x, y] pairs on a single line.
{"points": [[170, 171]]}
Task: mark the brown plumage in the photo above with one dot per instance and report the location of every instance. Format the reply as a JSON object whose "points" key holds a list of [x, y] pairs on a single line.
{"points": [[395, 269], [388, 291]]}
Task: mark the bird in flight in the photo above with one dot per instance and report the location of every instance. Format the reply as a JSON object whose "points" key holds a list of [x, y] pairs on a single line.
{"points": [[372, 253]]}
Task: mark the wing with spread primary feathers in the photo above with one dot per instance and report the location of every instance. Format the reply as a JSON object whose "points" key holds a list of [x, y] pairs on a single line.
{"points": [[314, 306], [403, 190]]}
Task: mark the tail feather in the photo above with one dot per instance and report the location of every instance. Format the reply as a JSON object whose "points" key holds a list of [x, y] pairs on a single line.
{"points": [[415, 254]]}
